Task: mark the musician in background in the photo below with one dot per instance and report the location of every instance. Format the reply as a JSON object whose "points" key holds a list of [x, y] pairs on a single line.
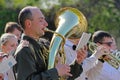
{"points": [[79, 57], [111, 71], [74, 57], [101, 69], [14, 28]]}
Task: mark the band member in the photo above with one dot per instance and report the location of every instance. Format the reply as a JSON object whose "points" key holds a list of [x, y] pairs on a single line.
{"points": [[79, 56], [14, 28], [100, 70], [32, 61]]}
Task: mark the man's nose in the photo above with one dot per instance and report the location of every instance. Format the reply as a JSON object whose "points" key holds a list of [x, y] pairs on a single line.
{"points": [[45, 23]]}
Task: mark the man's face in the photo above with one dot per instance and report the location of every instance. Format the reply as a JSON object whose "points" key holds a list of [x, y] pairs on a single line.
{"points": [[107, 41], [10, 45], [17, 33], [38, 23]]}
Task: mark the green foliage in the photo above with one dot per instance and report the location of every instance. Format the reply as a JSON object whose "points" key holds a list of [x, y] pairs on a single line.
{"points": [[19, 3], [101, 14], [6, 16]]}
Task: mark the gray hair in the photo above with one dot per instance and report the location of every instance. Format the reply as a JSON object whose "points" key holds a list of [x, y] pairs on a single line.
{"points": [[5, 37]]}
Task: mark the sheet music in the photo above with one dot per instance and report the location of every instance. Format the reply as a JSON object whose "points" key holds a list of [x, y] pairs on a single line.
{"points": [[7, 63], [83, 40]]}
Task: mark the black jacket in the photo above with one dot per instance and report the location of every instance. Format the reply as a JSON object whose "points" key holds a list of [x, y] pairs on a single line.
{"points": [[31, 62]]}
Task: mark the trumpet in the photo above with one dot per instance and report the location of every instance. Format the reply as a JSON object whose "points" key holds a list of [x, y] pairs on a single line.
{"points": [[117, 54], [113, 60]]}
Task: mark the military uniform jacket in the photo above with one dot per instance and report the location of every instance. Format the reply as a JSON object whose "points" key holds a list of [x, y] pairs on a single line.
{"points": [[32, 62]]}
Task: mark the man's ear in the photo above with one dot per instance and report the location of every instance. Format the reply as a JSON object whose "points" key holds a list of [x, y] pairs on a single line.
{"points": [[27, 23]]}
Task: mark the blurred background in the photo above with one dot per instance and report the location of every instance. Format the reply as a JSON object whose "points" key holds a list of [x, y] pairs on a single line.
{"points": [[100, 14]]}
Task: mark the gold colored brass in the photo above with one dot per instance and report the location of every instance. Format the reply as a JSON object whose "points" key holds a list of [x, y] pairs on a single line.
{"points": [[113, 61], [70, 23]]}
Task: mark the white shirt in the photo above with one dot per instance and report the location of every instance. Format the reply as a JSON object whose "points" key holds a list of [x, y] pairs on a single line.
{"points": [[100, 71], [88, 65], [92, 68], [9, 75], [109, 73], [5, 76], [71, 54]]}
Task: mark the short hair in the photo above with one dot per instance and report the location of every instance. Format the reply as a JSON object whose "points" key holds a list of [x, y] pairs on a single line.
{"points": [[98, 36], [5, 37], [11, 26], [24, 14]]}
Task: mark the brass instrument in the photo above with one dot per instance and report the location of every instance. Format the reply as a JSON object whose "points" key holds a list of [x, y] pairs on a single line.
{"points": [[70, 23], [113, 61], [117, 54]]}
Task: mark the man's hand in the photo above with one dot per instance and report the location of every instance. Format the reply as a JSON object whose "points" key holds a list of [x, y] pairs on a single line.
{"points": [[101, 50], [63, 69], [81, 54]]}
